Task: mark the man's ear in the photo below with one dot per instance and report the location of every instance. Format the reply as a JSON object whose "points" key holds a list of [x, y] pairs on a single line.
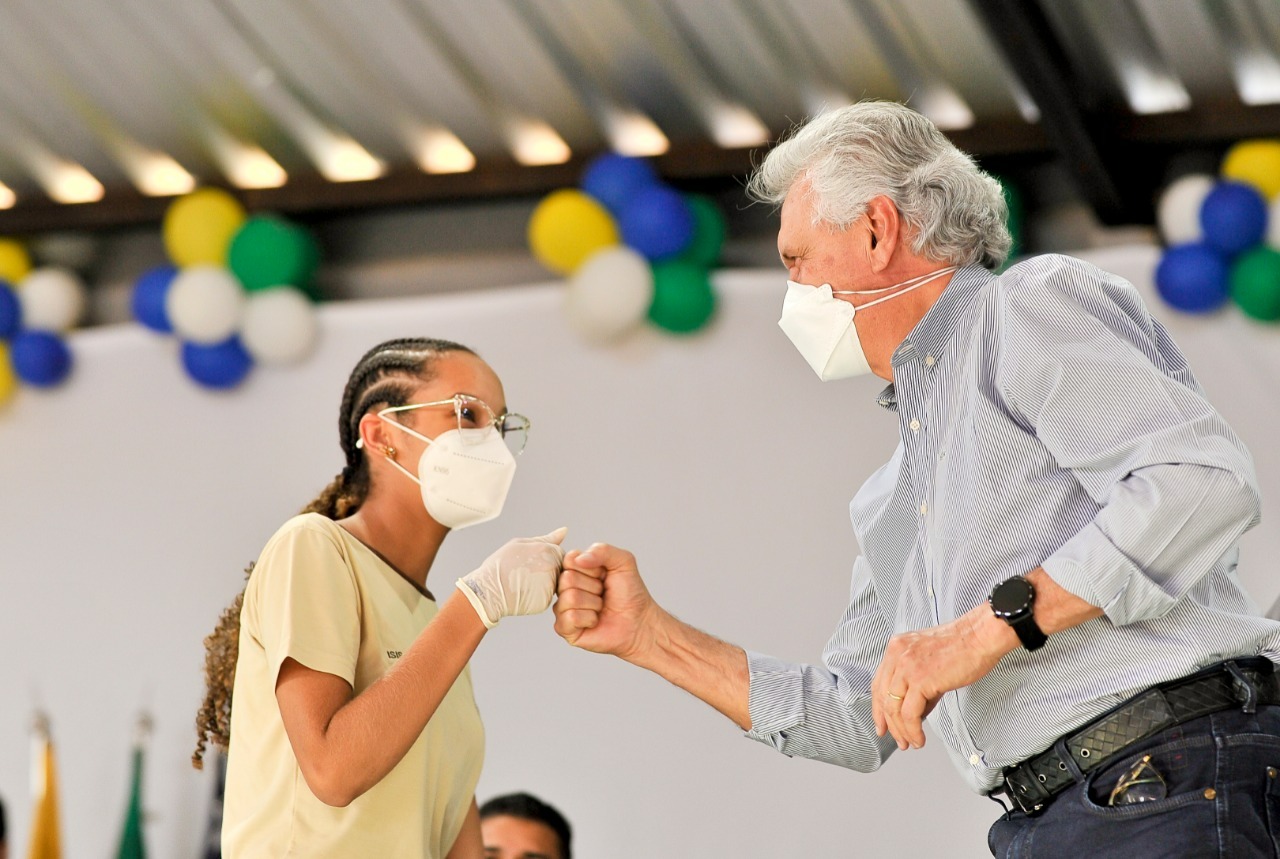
{"points": [[885, 224]]}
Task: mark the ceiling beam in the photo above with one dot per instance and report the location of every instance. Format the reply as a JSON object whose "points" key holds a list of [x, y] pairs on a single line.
{"points": [[1034, 52], [312, 197]]}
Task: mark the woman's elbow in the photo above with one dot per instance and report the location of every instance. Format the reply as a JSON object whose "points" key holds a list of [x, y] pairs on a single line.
{"points": [[332, 786]]}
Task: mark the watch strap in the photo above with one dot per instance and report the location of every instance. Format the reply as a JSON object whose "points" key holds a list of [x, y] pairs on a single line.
{"points": [[1029, 632]]}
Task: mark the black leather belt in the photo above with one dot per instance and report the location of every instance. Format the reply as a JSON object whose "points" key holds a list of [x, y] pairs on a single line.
{"points": [[1243, 683]]}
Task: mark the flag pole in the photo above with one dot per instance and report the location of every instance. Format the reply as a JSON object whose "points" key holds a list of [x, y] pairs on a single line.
{"points": [[46, 842], [132, 843]]}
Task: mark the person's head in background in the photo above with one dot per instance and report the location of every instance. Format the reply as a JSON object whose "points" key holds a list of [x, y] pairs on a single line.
{"points": [[4, 843], [520, 826]]}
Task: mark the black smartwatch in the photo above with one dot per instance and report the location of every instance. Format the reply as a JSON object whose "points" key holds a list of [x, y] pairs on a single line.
{"points": [[1013, 601]]}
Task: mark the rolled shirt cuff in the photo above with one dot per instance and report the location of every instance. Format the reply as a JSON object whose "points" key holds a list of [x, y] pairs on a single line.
{"points": [[1090, 566], [775, 699]]}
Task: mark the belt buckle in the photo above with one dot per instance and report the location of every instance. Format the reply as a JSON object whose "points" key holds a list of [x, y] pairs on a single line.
{"points": [[1024, 804]]}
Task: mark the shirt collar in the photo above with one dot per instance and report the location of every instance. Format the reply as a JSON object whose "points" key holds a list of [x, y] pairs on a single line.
{"points": [[888, 399], [927, 339]]}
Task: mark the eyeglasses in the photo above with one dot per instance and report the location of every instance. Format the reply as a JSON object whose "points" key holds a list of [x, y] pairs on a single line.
{"points": [[474, 413], [1142, 783]]}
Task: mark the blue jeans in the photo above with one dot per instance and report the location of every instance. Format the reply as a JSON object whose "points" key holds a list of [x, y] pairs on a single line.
{"points": [[1222, 772]]}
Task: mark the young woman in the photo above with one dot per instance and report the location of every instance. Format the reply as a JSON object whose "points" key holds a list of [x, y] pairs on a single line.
{"points": [[354, 731]]}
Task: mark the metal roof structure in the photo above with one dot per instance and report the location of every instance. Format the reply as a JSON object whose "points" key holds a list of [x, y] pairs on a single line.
{"points": [[110, 107]]}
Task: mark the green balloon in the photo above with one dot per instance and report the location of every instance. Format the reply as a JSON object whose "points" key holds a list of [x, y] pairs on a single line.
{"points": [[1255, 283], [1014, 222], [270, 251], [709, 230], [683, 300], [1013, 199]]}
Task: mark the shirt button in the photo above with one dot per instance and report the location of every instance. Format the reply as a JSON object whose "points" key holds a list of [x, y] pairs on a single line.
{"points": [[975, 759], [915, 425], [924, 508], [942, 454], [930, 593], [929, 360]]}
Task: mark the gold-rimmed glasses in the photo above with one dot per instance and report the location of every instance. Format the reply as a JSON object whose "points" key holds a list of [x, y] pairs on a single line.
{"points": [[474, 413], [1142, 783]]}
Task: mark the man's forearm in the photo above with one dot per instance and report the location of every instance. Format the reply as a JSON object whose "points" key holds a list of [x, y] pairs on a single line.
{"points": [[703, 665]]}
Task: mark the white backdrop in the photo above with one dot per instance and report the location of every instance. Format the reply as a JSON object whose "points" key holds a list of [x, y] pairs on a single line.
{"points": [[130, 501]]}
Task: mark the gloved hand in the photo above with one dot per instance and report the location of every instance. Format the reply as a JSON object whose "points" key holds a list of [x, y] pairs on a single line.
{"points": [[519, 578]]}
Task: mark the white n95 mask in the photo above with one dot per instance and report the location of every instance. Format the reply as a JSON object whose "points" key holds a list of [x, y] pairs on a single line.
{"points": [[464, 474], [821, 325]]}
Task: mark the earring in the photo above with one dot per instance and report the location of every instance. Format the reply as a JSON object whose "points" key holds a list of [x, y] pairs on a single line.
{"points": [[389, 452]]}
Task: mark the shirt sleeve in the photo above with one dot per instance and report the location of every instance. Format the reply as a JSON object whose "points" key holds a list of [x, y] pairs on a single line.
{"points": [[1084, 366], [305, 602], [824, 712]]}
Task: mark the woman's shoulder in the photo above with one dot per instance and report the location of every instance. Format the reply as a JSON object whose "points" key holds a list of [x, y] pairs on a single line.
{"points": [[307, 536], [309, 523]]}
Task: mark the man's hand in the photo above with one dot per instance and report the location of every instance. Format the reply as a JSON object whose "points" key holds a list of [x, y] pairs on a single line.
{"points": [[602, 604], [920, 667]]}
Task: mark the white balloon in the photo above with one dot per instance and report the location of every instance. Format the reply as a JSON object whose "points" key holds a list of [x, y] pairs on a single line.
{"points": [[205, 304], [1178, 212], [609, 294], [280, 325], [53, 299], [1273, 224]]}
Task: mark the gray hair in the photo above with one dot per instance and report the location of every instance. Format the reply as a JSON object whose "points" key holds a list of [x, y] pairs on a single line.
{"points": [[954, 211]]}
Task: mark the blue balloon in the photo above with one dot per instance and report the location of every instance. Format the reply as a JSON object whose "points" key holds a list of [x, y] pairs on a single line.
{"points": [[1233, 217], [40, 358], [1193, 278], [657, 223], [615, 179], [10, 311], [149, 293], [220, 365]]}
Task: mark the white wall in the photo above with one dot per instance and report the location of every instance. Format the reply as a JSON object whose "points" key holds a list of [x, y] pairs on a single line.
{"points": [[130, 501]]}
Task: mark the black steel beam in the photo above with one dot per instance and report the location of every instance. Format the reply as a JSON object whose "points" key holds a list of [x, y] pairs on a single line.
{"points": [[1076, 133]]}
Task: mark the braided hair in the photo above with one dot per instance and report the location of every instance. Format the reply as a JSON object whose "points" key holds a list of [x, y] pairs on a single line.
{"points": [[384, 377]]}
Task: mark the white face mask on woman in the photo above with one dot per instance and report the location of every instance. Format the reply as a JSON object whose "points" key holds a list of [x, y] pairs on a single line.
{"points": [[821, 325], [464, 474]]}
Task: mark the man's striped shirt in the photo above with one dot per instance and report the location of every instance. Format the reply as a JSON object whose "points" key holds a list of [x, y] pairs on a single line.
{"points": [[1046, 419]]}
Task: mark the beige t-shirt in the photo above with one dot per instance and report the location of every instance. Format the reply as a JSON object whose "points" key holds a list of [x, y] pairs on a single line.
{"points": [[325, 599]]}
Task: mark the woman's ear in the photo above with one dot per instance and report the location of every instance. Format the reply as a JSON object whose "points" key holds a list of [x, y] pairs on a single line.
{"points": [[374, 438], [885, 224]]}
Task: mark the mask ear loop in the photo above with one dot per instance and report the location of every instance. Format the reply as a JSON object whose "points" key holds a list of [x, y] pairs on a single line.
{"points": [[390, 452], [909, 284]]}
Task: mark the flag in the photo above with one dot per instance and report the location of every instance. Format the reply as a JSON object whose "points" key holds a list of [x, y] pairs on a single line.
{"points": [[45, 840], [213, 833], [131, 843]]}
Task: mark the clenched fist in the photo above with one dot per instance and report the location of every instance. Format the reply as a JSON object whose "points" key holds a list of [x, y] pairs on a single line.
{"points": [[519, 578]]}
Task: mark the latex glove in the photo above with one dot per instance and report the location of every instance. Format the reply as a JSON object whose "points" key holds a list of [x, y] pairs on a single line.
{"points": [[519, 578]]}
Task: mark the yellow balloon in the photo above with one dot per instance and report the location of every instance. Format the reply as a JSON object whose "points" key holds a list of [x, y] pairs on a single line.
{"points": [[8, 378], [15, 262], [567, 227], [198, 227], [1256, 163]]}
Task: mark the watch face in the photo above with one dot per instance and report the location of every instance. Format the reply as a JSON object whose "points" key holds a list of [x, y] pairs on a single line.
{"points": [[1012, 597]]}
